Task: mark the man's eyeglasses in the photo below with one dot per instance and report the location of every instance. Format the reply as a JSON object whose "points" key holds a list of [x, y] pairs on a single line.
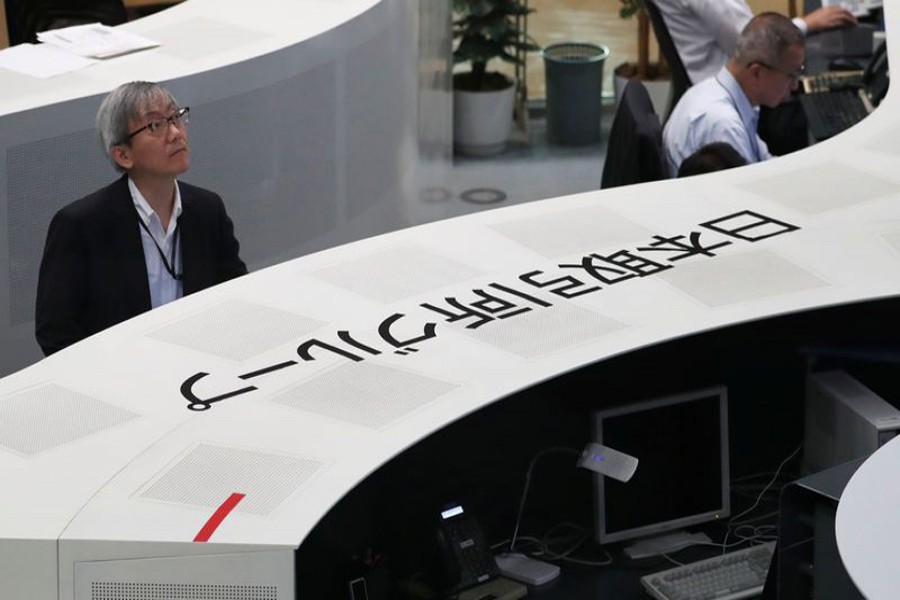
{"points": [[158, 127], [795, 76]]}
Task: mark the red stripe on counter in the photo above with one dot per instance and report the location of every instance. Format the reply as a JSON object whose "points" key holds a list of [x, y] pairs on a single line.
{"points": [[216, 519]]}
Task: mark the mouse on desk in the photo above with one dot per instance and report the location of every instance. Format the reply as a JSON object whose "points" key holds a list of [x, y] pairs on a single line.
{"points": [[845, 64]]}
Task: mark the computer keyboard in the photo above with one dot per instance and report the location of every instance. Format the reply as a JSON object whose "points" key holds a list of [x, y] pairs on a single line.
{"points": [[737, 574], [830, 113]]}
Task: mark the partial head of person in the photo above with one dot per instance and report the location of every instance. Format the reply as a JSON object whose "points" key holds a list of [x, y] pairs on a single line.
{"points": [[716, 156], [769, 59], [144, 130]]}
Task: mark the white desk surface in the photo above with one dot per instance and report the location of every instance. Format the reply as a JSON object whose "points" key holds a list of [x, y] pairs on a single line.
{"points": [[232, 30], [847, 248], [103, 447]]}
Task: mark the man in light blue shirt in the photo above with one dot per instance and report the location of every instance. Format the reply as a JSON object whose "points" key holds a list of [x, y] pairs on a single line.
{"points": [[763, 71]]}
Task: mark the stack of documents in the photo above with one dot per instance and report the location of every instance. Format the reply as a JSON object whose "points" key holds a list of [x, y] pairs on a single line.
{"points": [[95, 40], [70, 49]]}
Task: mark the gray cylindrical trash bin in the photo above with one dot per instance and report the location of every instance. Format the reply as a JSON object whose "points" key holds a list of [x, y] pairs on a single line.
{"points": [[574, 81]]}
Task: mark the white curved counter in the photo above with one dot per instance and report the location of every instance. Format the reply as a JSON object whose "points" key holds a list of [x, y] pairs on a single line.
{"points": [[215, 432], [195, 36]]}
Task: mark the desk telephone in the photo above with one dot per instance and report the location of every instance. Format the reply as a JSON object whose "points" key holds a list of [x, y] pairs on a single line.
{"points": [[465, 554]]}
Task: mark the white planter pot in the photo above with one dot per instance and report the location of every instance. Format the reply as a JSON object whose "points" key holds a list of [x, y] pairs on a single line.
{"points": [[482, 121]]}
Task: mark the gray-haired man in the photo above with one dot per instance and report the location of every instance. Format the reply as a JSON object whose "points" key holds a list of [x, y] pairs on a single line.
{"points": [[140, 242], [763, 71]]}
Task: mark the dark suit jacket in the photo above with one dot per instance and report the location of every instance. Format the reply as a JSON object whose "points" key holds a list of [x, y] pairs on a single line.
{"points": [[93, 274], [635, 150]]}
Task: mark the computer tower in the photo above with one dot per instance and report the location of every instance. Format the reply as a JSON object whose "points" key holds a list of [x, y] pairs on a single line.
{"points": [[807, 562], [844, 420]]}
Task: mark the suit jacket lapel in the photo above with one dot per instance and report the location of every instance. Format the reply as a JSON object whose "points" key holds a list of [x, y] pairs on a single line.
{"points": [[128, 244], [188, 241]]}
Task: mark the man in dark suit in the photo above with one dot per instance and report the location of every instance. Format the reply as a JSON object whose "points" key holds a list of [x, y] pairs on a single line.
{"points": [[140, 242]]}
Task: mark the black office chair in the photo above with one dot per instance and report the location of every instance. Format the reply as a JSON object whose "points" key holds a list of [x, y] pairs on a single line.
{"points": [[27, 17], [635, 151], [681, 81], [14, 8]]}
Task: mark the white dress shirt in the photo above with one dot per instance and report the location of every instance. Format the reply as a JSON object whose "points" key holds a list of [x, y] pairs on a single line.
{"points": [[705, 32], [714, 110], [163, 287]]}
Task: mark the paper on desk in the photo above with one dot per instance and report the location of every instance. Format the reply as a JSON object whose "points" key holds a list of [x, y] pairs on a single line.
{"points": [[41, 60], [95, 40], [859, 8]]}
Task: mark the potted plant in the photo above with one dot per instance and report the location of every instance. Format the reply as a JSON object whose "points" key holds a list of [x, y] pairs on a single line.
{"points": [[654, 75], [483, 100]]}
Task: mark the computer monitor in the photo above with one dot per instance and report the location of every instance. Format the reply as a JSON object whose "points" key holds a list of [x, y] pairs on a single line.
{"points": [[682, 478]]}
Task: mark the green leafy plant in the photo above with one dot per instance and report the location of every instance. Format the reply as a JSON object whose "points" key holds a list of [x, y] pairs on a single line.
{"points": [[629, 8], [484, 30]]}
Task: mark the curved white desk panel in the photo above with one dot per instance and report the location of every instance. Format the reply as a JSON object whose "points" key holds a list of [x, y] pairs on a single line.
{"points": [[196, 36], [303, 117], [317, 371], [867, 524]]}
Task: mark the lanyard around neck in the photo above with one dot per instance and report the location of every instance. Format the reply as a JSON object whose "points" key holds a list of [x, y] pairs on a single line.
{"points": [[169, 266]]}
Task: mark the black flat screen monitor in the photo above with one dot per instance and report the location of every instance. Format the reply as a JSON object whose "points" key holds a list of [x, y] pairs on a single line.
{"points": [[682, 478]]}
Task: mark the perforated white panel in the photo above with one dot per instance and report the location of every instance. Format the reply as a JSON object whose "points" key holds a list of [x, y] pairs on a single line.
{"points": [[544, 331], [374, 70], [102, 590], [365, 393], [741, 278], [822, 187], [47, 416], [209, 474], [587, 229], [275, 204], [38, 173], [236, 329], [412, 271], [233, 575]]}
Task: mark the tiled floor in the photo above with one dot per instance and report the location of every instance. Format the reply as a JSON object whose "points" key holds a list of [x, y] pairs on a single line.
{"points": [[529, 169]]}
